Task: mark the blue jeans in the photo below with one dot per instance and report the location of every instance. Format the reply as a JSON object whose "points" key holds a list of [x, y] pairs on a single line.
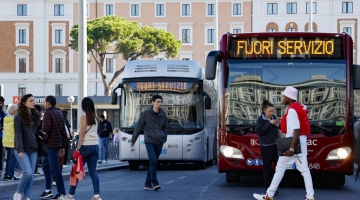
{"points": [[27, 163], [153, 151], [51, 166], [10, 162], [103, 145], [90, 153]]}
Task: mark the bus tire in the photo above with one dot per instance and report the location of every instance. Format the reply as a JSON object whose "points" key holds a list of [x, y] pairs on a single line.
{"points": [[232, 177], [339, 179], [133, 165]]}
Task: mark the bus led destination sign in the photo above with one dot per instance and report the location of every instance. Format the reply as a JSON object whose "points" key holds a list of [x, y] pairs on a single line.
{"points": [[180, 86], [284, 48]]}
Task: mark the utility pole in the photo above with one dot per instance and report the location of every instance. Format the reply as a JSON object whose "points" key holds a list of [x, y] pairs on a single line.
{"points": [[216, 19], [82, 64], [311, 16]]}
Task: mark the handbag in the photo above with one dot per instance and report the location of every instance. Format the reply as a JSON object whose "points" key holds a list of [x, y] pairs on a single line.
{"points": [[42, 149], [284, 144]]}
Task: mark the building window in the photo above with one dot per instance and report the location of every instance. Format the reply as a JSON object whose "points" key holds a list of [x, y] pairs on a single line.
{"points": [[291, 30], [308, 7], [109, 65], [291, 8], [135, 10], [272, 8], [185, 9], [210, 9], [58, 65], [210, 35], [160, 10], [21, 89], [185, 36], [237, 9], [58, 37], [22, 65], [347, 30], [185, 58], [347, 7], [160, 59], [272, 30], [109, 9], [58, 10], [236, 30], [21, 10], [22, 36], [58, 89]]}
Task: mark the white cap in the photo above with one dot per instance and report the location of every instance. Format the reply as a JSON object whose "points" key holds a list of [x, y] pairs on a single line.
{"points": [[290, 92]]}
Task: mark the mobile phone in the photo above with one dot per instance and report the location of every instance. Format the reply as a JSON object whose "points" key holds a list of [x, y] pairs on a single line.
{"points": [[44, 136]]}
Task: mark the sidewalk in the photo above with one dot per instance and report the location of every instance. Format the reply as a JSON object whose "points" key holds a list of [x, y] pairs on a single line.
{"points": [[111, 165]]}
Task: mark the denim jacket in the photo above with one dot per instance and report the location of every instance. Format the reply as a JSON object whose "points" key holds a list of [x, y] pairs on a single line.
{"points": [[25, 136]]}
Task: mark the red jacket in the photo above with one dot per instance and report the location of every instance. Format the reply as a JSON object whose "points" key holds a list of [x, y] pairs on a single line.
{"points": [[303, 118], [77, 171]]}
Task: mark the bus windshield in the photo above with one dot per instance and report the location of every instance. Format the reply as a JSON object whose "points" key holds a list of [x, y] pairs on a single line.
{"points": [[182, 103], [321, 85]]}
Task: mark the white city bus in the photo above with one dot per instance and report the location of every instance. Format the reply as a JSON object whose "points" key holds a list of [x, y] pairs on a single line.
{"points": [[188, 101]]}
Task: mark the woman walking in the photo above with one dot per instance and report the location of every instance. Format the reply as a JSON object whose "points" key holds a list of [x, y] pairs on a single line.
{"points": [[88, 147], [26, 145], [267, 128]]}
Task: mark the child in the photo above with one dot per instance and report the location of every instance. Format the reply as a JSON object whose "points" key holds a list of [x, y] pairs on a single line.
{"points": [[8, 143]]}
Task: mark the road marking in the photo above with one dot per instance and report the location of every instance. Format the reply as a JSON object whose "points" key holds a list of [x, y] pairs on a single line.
{"points": [[182, 177], [169, 182]]}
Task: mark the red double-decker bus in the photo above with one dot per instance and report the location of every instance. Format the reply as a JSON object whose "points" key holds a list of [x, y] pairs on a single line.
{"points": [[252, 67]]}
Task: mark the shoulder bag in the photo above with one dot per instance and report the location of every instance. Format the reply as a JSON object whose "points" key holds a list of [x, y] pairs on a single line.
{"points": [[284, 144]]}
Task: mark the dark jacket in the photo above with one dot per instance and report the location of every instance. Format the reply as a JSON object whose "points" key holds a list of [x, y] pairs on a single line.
{"points": [[268, 133], [25, 136], [155, 127], [102, 125], [54, 127]]}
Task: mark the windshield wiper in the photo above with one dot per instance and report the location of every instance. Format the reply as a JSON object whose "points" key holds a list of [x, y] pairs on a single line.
{"points": [[321, 127]]}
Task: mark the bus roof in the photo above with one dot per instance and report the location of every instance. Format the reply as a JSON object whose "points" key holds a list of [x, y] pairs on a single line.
{"points": [[162, 68]]}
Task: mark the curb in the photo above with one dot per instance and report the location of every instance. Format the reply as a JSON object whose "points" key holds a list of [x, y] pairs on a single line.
{"points": [[66, 176]]}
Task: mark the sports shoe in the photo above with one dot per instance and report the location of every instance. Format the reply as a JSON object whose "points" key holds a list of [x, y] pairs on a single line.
{"points": [[53, 183], [36, 173], [67, 197], [309, 199], [17, 196], [7, 178], [99, 161], [97, 197], [105, 162], [46, 195], [58, 196], [156, 187], [148, 187], [262, 197], [15, 178]]}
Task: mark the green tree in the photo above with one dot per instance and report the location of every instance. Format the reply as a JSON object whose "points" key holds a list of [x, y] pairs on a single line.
{"points": [[101, 32], [149, 42]]}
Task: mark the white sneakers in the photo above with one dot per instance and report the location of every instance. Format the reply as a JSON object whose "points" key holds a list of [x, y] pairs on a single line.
{"points": [[67, 197], [17, 196]]}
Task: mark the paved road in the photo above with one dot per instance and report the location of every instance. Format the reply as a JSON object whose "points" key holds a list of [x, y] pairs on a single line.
{"points": [[187, 183]]}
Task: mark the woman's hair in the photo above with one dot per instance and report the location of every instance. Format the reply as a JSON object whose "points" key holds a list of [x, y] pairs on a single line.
{"points": [[12, 109], [88, 107], [266, 104], [24, 113]]}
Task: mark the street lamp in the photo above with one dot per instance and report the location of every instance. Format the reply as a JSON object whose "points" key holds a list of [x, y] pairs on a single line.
{"points": [[71, 101]]}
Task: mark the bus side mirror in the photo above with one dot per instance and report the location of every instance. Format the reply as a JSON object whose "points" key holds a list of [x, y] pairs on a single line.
{"points": [[207, 103], [211, 62], [357, 77], [114, 97]]}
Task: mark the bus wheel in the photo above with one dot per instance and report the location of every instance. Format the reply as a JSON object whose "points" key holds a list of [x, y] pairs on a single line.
{"points": [[133, 165], [339, 179], [232, 177]]}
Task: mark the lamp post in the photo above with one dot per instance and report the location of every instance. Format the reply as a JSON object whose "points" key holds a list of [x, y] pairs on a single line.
{"points": [[71, 101]]}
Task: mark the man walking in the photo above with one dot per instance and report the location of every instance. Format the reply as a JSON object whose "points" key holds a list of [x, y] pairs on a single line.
{"points": [[54, 127], [155, 125], [104, 131], [2, 116], [295, 123]]}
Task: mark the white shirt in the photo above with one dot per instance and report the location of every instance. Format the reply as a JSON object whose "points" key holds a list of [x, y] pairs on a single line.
{"points": [[292, 123]]}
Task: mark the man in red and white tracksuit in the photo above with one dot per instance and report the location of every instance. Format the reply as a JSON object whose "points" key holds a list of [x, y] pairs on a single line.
{"points": [[295, 123]]}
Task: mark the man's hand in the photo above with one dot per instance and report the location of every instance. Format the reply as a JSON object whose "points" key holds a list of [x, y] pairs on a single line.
{"points": [[289, 153], [21, 154], [132, 145], [61, 152]]}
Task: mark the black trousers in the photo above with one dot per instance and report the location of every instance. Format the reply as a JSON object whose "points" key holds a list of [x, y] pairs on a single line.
{"points": [[1, 154], [269, 156]]}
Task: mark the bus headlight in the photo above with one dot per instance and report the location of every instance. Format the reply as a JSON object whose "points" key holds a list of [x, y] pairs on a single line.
{"points": [[231, 152], [339, 154]]}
